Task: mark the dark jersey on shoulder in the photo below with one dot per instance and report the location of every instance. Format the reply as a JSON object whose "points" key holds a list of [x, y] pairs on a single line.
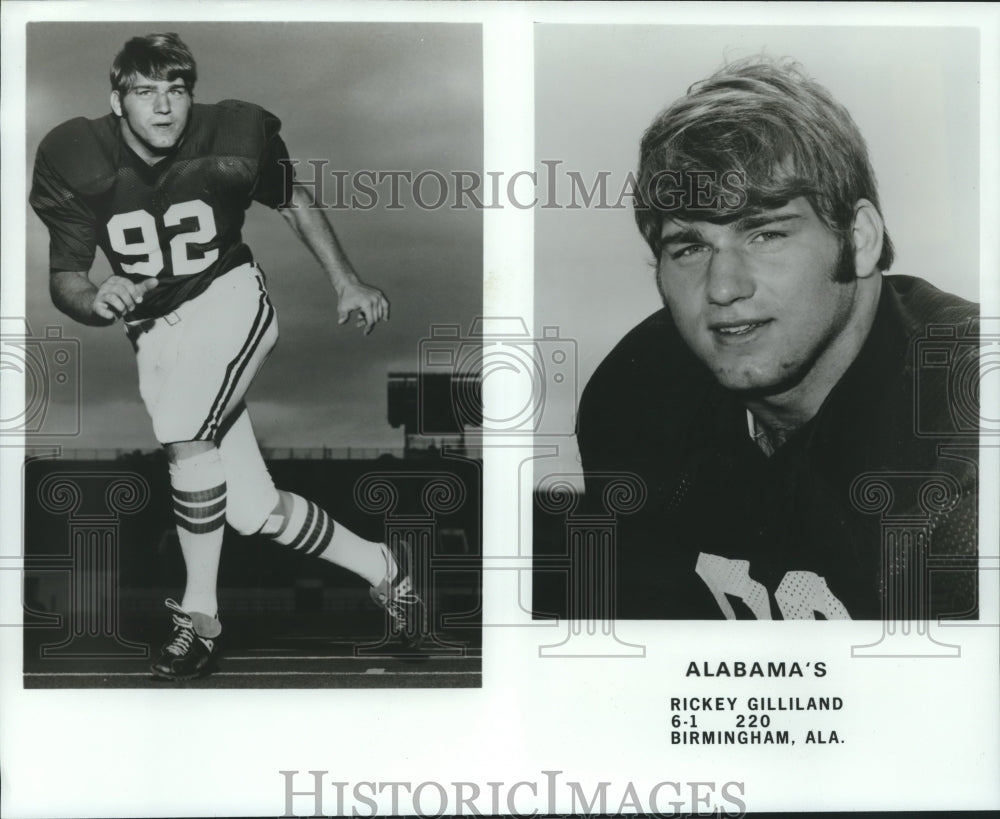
{"points": [[878, 485], [179, 220]]}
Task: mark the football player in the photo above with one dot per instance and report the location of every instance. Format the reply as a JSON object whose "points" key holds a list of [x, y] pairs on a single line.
{"points": [[161, 184], [779, 377]]}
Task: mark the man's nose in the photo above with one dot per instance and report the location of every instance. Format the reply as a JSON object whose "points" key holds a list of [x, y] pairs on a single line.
{"points": [[729, 280], [162, 103]]}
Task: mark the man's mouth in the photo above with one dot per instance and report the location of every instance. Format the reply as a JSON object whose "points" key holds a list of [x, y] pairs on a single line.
{"points": [[734, 329]]}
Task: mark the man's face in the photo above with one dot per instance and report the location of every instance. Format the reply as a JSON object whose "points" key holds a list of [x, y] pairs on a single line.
{"points": [[756, 299], [154, 114]]}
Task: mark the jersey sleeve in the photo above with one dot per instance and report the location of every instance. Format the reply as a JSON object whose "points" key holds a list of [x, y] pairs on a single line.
{"points": [[70, 221], [274, 180]]}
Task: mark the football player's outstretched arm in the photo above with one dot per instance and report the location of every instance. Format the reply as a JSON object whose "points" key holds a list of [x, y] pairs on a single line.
{"points": [[312, 227], [74, 294]]}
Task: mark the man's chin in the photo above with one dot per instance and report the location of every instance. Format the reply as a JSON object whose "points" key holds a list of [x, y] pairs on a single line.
{"points": [[163, 144], [162, 149], [754, 384]]}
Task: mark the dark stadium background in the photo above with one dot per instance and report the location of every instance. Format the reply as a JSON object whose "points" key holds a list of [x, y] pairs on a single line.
{"points": [[272, 600]]}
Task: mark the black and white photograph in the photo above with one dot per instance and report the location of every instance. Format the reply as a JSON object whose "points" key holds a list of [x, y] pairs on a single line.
{"points": [[738, 445], [400, 402], [231, 509], [773, 287]]}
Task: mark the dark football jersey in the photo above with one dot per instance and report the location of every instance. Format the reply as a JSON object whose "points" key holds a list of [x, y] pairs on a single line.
{"points": [[855, 504], [179, 220]]}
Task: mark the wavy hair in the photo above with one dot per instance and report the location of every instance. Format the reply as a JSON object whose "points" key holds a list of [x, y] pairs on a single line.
{"points": [[156, 56], [766, 124]]}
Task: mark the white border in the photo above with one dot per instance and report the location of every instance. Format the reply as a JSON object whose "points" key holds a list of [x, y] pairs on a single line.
{"points": [[931, 744]]}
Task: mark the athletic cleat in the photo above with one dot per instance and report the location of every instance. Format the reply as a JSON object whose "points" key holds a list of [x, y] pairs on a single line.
{"points": [[397, 596], [191, 650]]}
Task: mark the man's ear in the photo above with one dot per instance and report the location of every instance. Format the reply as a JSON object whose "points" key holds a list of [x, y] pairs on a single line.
{"points": [[866, 233], [116, 103]]}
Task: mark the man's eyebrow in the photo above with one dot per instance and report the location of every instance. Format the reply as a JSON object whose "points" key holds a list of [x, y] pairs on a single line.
{"points": [[178, 83], [756, 220], [682, 234]]}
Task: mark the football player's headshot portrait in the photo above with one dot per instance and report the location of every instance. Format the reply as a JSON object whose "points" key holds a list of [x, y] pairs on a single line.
{"points": [[780, 388], [161, 185]]}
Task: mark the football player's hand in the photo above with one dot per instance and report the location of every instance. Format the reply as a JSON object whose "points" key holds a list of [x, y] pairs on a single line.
{"points": [[370, 304], [118, 296]]}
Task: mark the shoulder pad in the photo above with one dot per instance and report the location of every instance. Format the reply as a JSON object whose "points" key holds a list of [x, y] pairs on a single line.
{"points": [[233, 128], [653, 348], [651, 371], [923, 304], [82, 152]]}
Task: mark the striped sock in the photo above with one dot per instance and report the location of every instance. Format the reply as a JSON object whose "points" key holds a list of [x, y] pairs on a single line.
{"points": [[311, 531], [201, 512], [307, 529], [199, 494]]}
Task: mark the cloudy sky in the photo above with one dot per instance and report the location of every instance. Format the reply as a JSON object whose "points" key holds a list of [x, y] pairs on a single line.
{"points": [[363, 96]]}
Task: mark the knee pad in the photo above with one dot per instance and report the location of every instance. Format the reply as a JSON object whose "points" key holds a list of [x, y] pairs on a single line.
{"points": [[249, 506], [252, 495]]}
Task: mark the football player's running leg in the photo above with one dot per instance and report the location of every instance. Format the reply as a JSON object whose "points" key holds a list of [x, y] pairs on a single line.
{"points": [[256, 506], [198, 483], [303, 526], [195, 364]]}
